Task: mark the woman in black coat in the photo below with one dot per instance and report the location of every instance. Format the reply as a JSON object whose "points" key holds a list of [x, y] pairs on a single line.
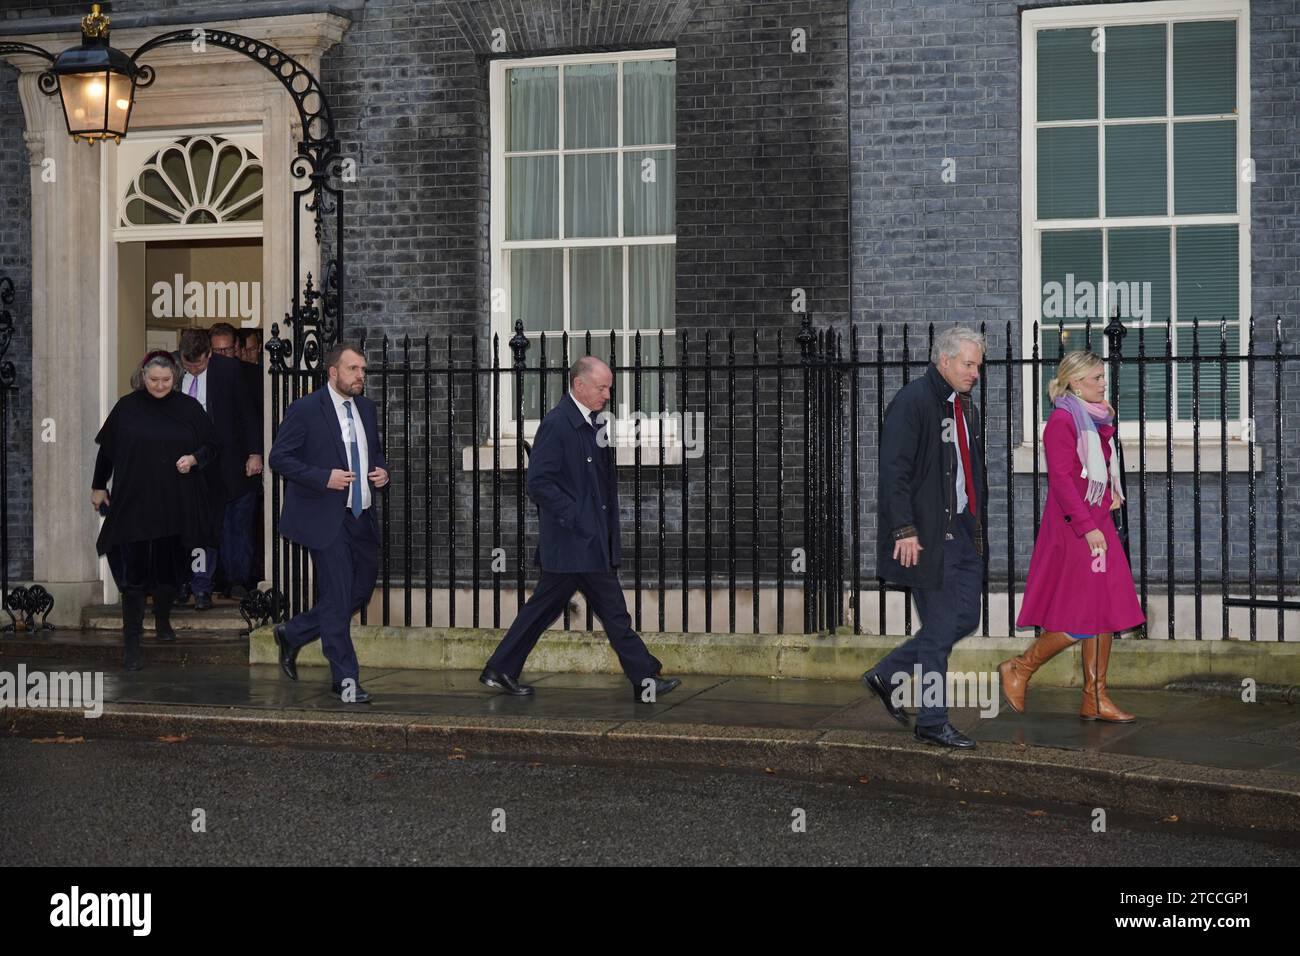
{"points": [[158, 446]]}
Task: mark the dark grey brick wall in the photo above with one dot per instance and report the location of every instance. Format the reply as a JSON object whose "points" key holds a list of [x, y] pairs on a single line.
{"points": [[933, 79], [770, 146], [762, 209]]}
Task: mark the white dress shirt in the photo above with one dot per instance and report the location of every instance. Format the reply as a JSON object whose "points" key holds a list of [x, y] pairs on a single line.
{"points": [[961, 470], [586, 412], [346, 428], [202, 393]]}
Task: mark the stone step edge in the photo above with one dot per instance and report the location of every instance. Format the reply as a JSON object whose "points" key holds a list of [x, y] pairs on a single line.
{"points": [[1162, 789], [222, 623]]}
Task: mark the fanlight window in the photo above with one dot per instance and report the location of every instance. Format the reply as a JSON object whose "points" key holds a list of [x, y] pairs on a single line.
{"points": [[196, 180]]}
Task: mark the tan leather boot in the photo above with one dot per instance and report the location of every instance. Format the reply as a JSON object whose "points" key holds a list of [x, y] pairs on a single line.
{"points": [[1096, 705], [1016, 672]]}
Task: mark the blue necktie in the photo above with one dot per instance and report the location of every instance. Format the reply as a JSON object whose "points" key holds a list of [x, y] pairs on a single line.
{"points": [[355, 453]]}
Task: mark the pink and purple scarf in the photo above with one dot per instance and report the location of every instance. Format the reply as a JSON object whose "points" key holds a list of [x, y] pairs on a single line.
{"points": [[1087, 416]]}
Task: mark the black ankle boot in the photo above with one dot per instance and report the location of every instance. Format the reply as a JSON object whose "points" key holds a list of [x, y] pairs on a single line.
{"points": [[162, 610], [132, 627]]}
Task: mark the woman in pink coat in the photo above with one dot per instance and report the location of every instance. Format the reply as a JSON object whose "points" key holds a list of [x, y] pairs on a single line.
{"points": [[1080, 588]]}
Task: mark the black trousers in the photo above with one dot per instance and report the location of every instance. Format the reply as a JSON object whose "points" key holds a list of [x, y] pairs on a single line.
{"points": [[604, 594]]}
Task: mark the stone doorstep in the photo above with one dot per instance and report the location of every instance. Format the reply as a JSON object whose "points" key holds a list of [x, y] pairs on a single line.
{"points": [[1134, 785], [223, 617], [1135, 663]]}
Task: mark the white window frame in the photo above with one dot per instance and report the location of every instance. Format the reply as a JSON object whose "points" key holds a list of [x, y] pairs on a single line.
{"points": [[1129, 14], [134, 151], [501, 324]]}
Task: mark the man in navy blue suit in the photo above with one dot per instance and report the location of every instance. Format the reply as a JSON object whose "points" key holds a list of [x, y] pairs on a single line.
{"points": [[332, 468], [572, 479], [218, 383]]}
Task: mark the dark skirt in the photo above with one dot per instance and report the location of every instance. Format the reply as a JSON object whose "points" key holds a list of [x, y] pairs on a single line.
{"points": [[154, 564]]}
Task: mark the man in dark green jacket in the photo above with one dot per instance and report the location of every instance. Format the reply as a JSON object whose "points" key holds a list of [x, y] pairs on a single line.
{"points": [[932, 484]]}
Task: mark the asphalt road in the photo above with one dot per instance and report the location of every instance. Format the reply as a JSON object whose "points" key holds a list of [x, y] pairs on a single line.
{"points": [[133, 803]]}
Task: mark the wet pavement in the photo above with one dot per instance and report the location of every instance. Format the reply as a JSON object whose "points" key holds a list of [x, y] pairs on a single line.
{"points": [[1205, 731]]}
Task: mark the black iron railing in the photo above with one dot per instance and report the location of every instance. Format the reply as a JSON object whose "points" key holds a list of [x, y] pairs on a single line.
{"points": [[778, 500]]}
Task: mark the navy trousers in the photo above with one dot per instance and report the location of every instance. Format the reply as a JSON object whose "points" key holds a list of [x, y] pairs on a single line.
{"points": [[947, 615], [236, 551], [237, 540], [345, 579], [605, 596]]}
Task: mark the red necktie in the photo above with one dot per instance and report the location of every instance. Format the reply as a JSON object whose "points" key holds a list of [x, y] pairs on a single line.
{"points": [[965, 456]]}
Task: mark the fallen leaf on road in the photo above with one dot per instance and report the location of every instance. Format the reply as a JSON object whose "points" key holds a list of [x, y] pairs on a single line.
{"points": [[382, 775], [768, 770], [1037, 813], [1172, 818], [173, 739], [863, 780], [59, 740], [455, 756]]}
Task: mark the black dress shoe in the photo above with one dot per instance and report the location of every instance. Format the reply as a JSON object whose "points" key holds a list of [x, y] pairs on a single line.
{"points": [[878, 687], [203, 602], [945, 736], [663, 685], [288, 655], [504, 682], [360, 696]]}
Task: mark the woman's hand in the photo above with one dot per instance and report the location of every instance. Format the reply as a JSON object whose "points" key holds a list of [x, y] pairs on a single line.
{"points": [[1096, 541], [98, 497], [185, 463]]}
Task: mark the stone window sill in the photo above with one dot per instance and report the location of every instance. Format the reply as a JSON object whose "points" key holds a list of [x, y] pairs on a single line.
{"points": [[652, 455], [1022, 457]]}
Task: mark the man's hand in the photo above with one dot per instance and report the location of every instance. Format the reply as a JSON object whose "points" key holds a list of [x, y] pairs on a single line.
{"points": [[185, 463], [907, 551], [340, 479], [253, 466], [378, 477], [98, 497], [1096, 541]]}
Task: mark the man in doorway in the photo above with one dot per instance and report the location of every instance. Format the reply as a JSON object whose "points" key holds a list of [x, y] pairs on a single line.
{"points": [[217, 382], [328, 448], [930, 537], [236, 554], [572, 478], [249, 351], [250, 346]]}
